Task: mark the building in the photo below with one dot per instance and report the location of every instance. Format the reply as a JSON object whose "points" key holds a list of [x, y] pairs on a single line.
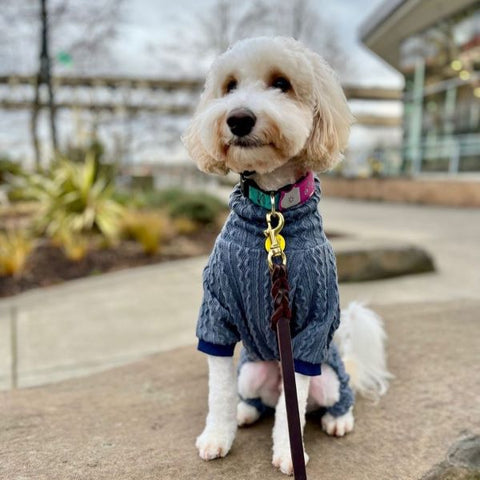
{"points": [[435, 44]]}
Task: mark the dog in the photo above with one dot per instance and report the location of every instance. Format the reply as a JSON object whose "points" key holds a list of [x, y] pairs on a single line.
{"points": [[274, 112]]}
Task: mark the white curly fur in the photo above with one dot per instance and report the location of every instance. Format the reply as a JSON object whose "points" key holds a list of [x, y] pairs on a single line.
{"points": [[361, 339], [306, 128], [301, 129]]}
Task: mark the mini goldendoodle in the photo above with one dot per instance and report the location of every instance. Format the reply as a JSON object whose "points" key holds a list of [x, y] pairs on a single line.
{"points": [[275, 113]]}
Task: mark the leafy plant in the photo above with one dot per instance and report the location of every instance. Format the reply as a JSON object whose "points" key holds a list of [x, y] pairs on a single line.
{"points": [[199, 207], [15, 247], [148, 228], [162, 198], [73, 197]]}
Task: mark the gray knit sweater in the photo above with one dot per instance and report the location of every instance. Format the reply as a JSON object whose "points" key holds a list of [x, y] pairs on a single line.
{"points": [[237, 304]]}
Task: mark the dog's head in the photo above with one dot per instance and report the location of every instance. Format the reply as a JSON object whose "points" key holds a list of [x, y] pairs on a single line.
{"points": [[266, 101]]}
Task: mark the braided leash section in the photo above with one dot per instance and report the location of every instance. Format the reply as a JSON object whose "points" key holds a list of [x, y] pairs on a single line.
{"points": [[280, 322], [280, 290]]}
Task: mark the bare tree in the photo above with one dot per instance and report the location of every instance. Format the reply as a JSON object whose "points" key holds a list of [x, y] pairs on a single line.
{"points": [[301, 19], [80, 31], [85, 30], [213, 30], [43, 77], [226, 22]]}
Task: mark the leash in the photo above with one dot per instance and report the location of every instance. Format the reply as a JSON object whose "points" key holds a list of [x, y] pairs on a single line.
{"points": [[280, 322]]}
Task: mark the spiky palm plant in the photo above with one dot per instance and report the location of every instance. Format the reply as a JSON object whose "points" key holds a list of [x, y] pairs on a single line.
{"points": [[74, 198]]}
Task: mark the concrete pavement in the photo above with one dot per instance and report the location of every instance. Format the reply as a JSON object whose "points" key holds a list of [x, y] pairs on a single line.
{"points": [[140, 421], [450, 235], [96, 323]]}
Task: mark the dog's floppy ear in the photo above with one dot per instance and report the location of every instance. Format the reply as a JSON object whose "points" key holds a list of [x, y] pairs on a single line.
{"points": [[331, 120], [193, 141]]}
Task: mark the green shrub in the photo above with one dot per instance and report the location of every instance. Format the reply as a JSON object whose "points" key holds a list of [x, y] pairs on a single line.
{"points": [[199, 207], [73, 198], [124, 197], [161, 198], [142, 182]]}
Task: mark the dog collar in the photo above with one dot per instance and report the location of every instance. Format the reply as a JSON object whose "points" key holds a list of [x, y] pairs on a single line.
{"points": [[287, 197]]}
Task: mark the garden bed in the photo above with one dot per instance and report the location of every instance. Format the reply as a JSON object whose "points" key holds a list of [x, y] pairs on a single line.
{"points": [[47, 264], [73, 221]]}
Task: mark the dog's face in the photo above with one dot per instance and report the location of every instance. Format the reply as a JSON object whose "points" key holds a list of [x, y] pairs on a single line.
{"points": [[266, 101]]}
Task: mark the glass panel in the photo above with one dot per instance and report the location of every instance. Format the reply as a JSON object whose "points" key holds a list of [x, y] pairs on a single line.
{"points": [[450, 121]]}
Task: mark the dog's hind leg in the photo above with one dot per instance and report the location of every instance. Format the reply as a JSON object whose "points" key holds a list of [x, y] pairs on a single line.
{"points": [[332, 391], [247, 414], [258, 388], [324, 389], [338, 426], [339, 419]]}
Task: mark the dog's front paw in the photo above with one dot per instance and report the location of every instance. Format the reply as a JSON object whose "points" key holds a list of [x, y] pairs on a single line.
{"points": [[215, 443], [338, 426], [282, 459]]}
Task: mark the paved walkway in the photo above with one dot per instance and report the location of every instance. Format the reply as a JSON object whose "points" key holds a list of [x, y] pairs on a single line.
{"points": [[140, 421], [91, 324], [451, 235]]}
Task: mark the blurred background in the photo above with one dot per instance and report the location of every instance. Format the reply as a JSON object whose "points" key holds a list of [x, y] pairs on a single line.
{"points": [[128, 73], [94, 96]]}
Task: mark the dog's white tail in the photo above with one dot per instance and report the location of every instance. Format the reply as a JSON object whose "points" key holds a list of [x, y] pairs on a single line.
{"points": [[360, 339]]}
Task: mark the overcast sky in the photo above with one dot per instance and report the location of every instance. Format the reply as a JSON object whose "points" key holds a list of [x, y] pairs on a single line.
{"points": [[157, 38], [152, 23]]}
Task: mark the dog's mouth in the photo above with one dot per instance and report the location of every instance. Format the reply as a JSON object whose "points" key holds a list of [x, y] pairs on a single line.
{"points": [[246, 142]]}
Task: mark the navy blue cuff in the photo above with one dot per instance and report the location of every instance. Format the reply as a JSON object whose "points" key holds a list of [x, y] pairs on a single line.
{"points": [[307, 368], [216, 350]]}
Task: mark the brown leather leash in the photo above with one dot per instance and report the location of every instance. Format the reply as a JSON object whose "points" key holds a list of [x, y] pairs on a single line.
{"points": [[280, 322]]}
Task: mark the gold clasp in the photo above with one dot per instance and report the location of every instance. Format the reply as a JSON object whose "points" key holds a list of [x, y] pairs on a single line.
{"points": [[274, 243]]}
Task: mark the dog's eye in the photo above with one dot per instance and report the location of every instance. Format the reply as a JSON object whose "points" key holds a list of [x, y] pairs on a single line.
{"points": [[282, 84], [231, 85]]}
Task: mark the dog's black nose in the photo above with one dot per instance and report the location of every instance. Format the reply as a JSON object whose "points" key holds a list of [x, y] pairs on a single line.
{"points": [[241, 121]]}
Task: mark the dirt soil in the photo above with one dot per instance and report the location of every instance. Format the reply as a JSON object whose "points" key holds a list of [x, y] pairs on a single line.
{"points": [[48, 265]]}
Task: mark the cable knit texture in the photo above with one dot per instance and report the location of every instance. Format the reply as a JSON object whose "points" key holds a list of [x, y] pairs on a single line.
{"points": [[237, 303], [347, 396]]}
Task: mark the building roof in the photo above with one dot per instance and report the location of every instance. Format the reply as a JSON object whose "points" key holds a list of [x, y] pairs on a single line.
{"points": [[395, 20]]}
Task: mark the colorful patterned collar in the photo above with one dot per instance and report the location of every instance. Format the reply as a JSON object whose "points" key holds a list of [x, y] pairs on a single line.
{"points": [[287, 197]]}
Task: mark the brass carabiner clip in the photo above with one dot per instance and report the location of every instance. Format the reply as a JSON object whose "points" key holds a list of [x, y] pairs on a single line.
{"points": [[274, 243]]}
